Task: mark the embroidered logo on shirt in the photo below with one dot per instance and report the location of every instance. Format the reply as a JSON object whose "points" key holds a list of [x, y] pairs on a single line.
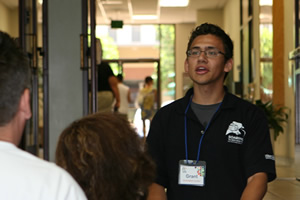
{"points": [[236, 133], [269, 157]]}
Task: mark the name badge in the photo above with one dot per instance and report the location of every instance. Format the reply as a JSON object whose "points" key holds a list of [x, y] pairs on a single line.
{"points": [[192, 173]]}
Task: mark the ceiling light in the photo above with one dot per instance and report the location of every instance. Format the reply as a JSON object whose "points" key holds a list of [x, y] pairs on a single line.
{"points": [[173, 3], [144, 17], [111, 2], [265, 2]]}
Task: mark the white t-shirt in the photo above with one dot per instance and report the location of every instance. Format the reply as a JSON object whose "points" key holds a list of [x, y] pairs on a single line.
{"points": [[124, 105], [26, 177]]}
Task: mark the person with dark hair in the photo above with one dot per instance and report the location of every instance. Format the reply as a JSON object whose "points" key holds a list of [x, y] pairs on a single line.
{"points": [[108, 96], [210, 144], [106, 157], [24, 176], [108, 91], [147, 98], [125, 96]]}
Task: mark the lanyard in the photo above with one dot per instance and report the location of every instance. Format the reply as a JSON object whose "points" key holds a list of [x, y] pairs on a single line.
{"points": [[185, 131]]}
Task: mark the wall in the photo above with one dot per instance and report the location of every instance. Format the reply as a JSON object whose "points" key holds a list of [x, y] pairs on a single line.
{"points": [[138, 71], [138, 51], [182, 32], [256, 49], [285, 145], [14, 22], [4, 16], [65, 77], [9, 20], [211, 16], [232, 28]]}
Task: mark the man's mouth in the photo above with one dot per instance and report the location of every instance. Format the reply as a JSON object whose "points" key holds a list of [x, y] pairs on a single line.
{"points": [[201, 70]]}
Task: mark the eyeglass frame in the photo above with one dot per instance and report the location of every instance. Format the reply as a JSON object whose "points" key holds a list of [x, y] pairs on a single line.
{"points": [[205, 52]]}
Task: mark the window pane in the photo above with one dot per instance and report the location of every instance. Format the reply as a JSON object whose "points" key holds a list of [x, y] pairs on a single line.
{"points": [[266, 41], [136, 33], [266, 50], [266, 81]]}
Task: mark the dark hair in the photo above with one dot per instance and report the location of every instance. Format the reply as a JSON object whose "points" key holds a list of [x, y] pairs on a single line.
{"points": [[215, 30], [120, 77], [106, 157], [15, 77], [148, 79]]}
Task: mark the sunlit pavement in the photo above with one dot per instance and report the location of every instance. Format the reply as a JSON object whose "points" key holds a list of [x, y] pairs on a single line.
{"points": [[134, 117]]}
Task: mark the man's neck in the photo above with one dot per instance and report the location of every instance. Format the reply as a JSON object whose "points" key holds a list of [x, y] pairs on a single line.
{"points": [[11, 132], [206, 95], [5, 134]]}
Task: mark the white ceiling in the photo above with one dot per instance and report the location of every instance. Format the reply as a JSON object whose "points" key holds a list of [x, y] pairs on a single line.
{"points": [[151, 7], [128, 8]]}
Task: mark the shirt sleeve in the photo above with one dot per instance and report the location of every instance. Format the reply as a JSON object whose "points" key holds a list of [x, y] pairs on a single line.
{"points": [[68, 188], [258, 152]]}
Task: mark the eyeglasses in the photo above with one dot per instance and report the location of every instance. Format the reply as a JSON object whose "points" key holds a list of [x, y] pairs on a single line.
{"points": [[209, 53]]}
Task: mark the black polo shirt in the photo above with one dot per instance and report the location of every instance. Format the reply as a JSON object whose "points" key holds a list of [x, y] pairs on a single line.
{"points": [[235, 146]]}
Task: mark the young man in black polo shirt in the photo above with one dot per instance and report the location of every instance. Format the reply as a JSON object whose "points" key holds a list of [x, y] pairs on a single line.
{"points": [[210, 144]]}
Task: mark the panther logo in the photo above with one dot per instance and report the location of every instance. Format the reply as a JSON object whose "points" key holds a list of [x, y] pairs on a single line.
{"points": [[236, 128]]}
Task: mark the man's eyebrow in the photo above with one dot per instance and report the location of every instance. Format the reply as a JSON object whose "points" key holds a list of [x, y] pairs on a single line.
{"points": [[210, 47], [207, 47], [195, 47]]}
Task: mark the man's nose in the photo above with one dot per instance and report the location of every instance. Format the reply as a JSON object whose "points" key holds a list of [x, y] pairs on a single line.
{"points": [[202, 55]]}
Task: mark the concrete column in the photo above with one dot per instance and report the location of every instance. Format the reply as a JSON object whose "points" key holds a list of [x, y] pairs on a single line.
{"points": [[278, 52], [182, 32], [283, 94], [65, 79]]}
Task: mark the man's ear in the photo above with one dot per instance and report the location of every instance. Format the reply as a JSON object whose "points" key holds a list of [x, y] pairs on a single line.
{"points": [[186, 66], [228, 65], [24, 106]]}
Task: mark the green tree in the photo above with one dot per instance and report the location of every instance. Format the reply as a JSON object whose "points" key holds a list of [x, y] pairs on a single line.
{"points": [[266, 51], [167, 59], [110, 51], [266, 42]]}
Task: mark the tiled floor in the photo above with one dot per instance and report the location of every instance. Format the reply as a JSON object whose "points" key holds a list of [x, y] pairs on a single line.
{"points": [[286, 186]]}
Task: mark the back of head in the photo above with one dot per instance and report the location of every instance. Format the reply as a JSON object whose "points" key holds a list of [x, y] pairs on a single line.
{"points": [[14, 77], [120, 77], [104, 154], [148, 80], [205, 29]]}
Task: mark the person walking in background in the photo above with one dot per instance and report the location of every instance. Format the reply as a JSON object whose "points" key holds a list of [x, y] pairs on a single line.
{"points": [[107, 158], [108, 91], [210, 144], [24, 176], [125, 96], [146, 100], [108, 96]]}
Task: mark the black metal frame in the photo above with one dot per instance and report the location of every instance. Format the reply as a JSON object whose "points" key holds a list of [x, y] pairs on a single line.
{"points": [[45, 82], [250, 34], [93, 56], [25, 37], [84, 56]]}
